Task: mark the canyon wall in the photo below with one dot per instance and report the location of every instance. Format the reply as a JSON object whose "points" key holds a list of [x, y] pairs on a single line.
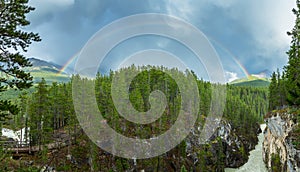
{"points": [[280, 151]]}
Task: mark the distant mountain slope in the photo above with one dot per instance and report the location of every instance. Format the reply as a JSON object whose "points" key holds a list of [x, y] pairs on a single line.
{"points": [[41, 63], [253, 83], [47, 70], [257, 80]]}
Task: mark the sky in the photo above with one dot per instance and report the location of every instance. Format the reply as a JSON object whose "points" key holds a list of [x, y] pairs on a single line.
{"points": [[248, 35]]}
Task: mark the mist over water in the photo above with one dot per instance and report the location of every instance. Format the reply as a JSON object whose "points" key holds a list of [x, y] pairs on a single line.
{"points": [[255, 162]]}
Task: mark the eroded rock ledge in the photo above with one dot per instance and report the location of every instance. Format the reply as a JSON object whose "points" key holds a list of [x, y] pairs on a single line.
{"points": [[227, 145], [279, 150]]}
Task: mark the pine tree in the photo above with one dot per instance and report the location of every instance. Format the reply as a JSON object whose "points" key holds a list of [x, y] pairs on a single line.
{"points": [[40, 119], [24, 114], [12, 41], [273, 89], [282, 92], [293, 67]]}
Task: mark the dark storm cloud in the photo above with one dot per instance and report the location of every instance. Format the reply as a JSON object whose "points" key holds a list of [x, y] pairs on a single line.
{"points": [[254, 31], [66, 25]]}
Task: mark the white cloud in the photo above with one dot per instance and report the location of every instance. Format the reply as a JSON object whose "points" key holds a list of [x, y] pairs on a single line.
{"points": [[230, 76], [65, 25], [269, 21], [266, 21], [180, 8]]}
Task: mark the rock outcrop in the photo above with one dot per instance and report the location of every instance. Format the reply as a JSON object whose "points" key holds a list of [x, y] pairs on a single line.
{"points": [[226, 145], [279, 152]]}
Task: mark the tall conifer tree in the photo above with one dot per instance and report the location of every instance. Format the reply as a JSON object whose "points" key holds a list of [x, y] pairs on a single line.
{"points": [[293, 67], [13, 41]]}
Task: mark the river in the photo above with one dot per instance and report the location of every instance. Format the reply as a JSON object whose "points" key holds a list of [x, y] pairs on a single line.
{"points": [[255, 162]]}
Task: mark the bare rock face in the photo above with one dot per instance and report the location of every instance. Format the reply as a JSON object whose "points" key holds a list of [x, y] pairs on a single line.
{"points": [[278, 149], [226, 145]]}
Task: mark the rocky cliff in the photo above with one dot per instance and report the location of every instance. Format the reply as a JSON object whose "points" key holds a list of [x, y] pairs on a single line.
{"points": [[226, 146], [280, 151]]}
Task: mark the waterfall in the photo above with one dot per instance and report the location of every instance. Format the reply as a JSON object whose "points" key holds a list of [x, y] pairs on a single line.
{"points": [[255, 162]]}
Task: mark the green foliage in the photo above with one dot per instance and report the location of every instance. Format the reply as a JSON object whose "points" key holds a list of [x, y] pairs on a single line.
{"points": [[66, 167], [49, 74], [12, 41], [51, 108], [39, 115], [278, 91], [285, 89], [273, 89], [249, 78], [253, 83], [295, 134], [292, 69], [29, 169], [276, 165], [183, 169], [13, 95], [122, 164], [245, 106]]}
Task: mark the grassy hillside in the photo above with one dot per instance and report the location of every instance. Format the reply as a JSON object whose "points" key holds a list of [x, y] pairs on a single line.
{"points": [[47, 70], [12, 94], [39, 69], [252, 81], [49, 74]]}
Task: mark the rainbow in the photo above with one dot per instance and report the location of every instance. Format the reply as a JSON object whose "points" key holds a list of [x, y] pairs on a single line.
{"points": [[72, 59], [241, 66]]}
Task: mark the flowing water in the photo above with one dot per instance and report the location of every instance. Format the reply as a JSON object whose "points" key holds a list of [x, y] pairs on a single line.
{"points": [[16, 135], [255, 162]]}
